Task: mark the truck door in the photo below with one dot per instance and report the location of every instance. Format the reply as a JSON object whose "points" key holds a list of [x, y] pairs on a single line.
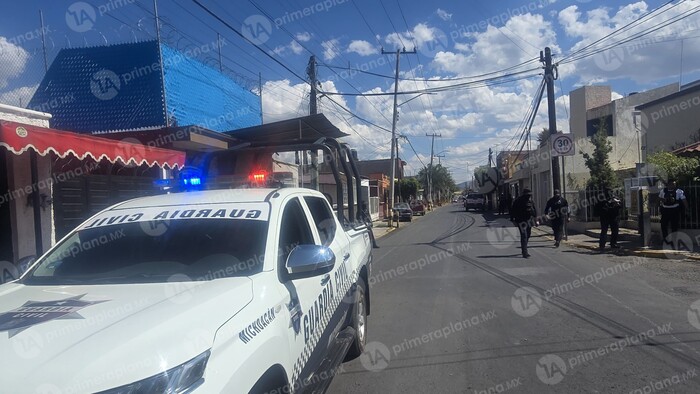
{"points": [[309, 298]]}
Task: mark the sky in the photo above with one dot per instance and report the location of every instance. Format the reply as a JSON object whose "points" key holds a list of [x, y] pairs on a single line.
{"points": [[456, 42]]}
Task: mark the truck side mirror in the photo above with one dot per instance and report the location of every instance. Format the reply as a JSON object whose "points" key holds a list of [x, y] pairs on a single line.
{"points": [[306, 261]]}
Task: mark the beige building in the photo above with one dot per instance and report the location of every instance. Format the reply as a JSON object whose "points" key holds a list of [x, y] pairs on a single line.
{"points": [[591, 105], [672, 121]]}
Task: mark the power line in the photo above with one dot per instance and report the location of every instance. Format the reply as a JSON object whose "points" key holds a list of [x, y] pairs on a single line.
{"points": [[207, 10], [462, 86], [639, 35], [432, 79], [358, 116], [626, 27]]}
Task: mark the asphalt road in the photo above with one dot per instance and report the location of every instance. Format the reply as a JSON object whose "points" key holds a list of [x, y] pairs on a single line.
{"points": [[455, 308]]}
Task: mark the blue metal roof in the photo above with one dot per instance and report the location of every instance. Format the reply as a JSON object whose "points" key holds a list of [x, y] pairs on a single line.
{"points": [[120, 87], [105, 88], [197, 94]]}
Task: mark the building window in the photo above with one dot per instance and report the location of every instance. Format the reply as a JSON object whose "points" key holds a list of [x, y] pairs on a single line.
{"points": [[593, 125]]}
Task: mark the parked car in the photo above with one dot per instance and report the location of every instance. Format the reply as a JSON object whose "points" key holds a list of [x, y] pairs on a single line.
{"points": [[475, 201], [402, 211], [221, 291], [418, 208]]}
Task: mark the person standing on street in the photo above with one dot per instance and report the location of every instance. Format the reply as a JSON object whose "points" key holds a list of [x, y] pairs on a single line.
{"points": [[523, 214], [671, 198], [609, 210], [557, 210], [501, 203]]}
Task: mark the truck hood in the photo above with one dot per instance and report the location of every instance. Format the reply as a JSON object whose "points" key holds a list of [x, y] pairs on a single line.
{"points": [[74, 339]]}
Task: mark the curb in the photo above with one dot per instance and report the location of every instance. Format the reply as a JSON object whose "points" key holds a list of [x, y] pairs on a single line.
{"points": [[650, 253]]}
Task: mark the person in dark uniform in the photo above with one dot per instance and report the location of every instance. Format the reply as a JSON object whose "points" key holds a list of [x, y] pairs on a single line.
{"points": [[502, 204], [557, 210], [673, 201], [609, 210], [523, 214]]}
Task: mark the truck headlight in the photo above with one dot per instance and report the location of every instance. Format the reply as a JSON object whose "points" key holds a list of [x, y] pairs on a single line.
{"points": [[174, 380]]}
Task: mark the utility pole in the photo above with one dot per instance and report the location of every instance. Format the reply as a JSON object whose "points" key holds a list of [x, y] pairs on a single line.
{"points": [[311, 71], [490, 157], [440, 157], [549, 78], [313, 110], [393, 129], [430, 170]]}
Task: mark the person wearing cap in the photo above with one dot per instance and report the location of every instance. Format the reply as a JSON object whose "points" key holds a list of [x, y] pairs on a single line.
{"points": [[672, 201], [557, 210], [523, 214], [609, 210]]}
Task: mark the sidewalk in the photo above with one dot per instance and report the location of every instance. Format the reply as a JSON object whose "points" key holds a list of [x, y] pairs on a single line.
{"points": [[628, 241]]}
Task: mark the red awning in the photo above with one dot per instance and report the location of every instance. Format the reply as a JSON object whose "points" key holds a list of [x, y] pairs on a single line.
{"points": [[19, 138]]}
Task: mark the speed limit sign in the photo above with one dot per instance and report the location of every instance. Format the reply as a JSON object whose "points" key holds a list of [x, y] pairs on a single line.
{"points": [[562, 145]]}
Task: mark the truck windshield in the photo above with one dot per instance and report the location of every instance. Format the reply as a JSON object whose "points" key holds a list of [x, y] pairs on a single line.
{"points": [[176, 250]]}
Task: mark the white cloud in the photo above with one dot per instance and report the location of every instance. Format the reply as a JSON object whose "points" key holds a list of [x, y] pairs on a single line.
{"points": [[293, 47], [421, 34], [303, 36], [13, 59], [650, 58], [330, 49], [495, 49], [362, 48], [296, 48], [444, 15], [19, 97], [282, 100]]}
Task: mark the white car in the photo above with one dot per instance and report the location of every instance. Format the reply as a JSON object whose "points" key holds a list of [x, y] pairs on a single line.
{"points": [[226, 291]]}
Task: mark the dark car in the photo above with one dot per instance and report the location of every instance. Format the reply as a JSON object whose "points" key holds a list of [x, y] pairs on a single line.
{"points": [[418, 208], [403, 212], [475, 201]]}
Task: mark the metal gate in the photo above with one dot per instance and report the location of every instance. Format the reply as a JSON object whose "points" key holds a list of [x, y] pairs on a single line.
{"points": [[75, 200]]}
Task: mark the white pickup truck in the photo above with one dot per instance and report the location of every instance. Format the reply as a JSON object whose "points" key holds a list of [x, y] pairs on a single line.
{"points": [[222, 291]]}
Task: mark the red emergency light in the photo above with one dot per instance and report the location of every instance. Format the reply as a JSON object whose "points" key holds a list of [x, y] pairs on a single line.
{"points": [[258, 176]]}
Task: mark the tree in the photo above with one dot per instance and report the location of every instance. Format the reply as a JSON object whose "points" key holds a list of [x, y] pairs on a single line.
{"points": [[602, 174], [680, 168], [443, 184], [407, 188], [543, 137]]}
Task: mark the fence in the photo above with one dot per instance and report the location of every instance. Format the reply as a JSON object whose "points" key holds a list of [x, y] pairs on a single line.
{"points": [[691, 219], [583, 204]]}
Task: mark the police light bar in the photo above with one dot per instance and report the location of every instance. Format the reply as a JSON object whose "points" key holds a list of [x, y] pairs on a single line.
{"points": [[258, 176]]}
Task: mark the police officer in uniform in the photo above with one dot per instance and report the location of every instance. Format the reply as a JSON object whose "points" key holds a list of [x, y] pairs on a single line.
{"points": [[671, 198], [609, 211], [523, 214], [557, 210]]}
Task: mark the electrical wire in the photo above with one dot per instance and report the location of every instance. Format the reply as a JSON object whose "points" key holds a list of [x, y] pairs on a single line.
{"points": [[462, 86], [228, 25], [432, 79]]}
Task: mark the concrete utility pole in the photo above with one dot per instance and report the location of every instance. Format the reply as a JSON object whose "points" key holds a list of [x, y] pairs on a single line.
{"points": [[393, 129], [430, 170], [549, 78], [313, 110]]}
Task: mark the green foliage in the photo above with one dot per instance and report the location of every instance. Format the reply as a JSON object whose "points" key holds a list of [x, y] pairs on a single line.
{"points": [[602, 174], [680, 168], [442, 180], [480, 170], [407, 188]]}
